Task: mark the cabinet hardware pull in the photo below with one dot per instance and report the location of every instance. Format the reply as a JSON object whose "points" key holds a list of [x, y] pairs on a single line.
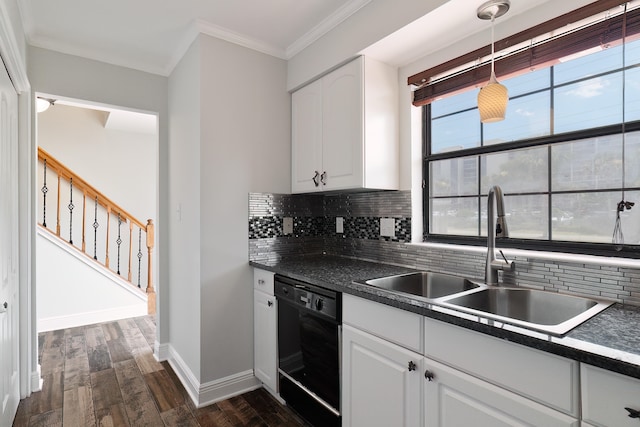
{"points": [[323, 178], [429, 375], [412, 366], [4, 307], [633, 413], [260, 281], [315, 178], [269, 303]]}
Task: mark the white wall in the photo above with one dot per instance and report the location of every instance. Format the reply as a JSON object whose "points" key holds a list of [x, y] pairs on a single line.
{"points": [[72, 293], [245, 147], [93, 81], [184, 200], [121, 165]]}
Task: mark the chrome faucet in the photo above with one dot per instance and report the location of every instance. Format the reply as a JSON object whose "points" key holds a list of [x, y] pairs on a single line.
{"points": [[496, 227]]}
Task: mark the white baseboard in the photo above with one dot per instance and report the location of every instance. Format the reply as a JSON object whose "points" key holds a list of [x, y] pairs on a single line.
{"points": [[212, 391], [36, 380], [161, 351], [89, 318]]}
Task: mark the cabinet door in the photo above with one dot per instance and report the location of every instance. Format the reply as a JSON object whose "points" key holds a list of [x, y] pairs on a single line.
{"points": [[343, 126], [265, 341], [454, 399], [381, 382], [606, 394], [306, 138]]}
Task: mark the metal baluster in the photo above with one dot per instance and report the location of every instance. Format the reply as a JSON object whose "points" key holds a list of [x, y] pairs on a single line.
{"points": [[71, 210], [44, 190], [139, 253], [95, 231], [119, 240]]}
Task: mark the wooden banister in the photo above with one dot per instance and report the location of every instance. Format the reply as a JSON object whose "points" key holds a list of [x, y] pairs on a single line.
{"points": [[112, 210]]}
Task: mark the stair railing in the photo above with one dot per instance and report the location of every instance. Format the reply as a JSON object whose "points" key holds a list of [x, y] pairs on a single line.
{"points": [[103, 210]]}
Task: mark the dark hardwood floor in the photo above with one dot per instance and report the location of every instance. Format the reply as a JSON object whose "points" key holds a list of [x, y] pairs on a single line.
{"points": [[105, 375]]}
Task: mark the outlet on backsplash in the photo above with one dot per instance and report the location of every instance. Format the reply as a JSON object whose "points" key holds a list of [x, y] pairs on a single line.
{"points": [[339, 224], [388, 227], [287, 225]]}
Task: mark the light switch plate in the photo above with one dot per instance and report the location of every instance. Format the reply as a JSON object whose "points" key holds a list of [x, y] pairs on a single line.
{"points": [[287, 225], [388, 227], [339, 225]]}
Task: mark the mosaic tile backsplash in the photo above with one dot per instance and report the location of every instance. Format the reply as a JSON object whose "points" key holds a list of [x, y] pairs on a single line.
{"points": [[314, 232]]}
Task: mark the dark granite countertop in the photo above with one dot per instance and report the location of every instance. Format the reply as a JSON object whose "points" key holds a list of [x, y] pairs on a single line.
{"points": [[610, 340]]}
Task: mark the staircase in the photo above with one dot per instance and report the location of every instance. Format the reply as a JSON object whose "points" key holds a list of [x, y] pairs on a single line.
{"points": [[81, 221]]}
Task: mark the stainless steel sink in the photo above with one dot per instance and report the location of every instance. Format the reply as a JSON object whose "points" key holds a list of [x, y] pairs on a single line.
{"points": [[424, 284], [543, 311]]}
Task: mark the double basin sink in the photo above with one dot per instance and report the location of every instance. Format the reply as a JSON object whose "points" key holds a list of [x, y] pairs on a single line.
{"points": [[538, 310]]}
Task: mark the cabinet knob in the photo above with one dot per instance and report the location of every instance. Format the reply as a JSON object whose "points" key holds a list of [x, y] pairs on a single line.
{"points": [[270, 303], [429, 375], [323, 178], [633, 413], [4, 307], [315, 178], [412, 366], [260, 281]]}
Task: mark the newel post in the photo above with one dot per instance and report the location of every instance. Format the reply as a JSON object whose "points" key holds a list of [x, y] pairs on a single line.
{"points": [[151, 293]]}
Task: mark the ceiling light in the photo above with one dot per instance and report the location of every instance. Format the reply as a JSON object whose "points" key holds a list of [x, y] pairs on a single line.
{"points": [[493, 98], [43, 104]]}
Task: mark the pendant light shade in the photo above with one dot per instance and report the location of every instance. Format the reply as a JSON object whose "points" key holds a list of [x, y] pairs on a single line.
{"points": [[492, 101], [493, 98]]}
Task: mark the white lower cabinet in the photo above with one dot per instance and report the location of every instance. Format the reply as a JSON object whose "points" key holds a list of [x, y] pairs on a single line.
{"points": [[381, 382], [605, 397], [265, 330], [453, 398]]}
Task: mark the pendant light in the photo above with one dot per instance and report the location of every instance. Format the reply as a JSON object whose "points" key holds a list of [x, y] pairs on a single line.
{"points": [[492, 99]]}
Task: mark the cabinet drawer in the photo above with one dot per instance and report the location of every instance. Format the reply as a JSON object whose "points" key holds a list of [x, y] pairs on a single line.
{"points": [[263, 280], [605, 395], [390, 323], [546, 378]]}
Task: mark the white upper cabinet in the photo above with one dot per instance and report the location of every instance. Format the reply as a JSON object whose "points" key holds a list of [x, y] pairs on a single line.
{"points": [[345, 130]]}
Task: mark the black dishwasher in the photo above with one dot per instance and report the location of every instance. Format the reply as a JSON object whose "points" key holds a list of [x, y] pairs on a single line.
{"points": [[309, 338]]}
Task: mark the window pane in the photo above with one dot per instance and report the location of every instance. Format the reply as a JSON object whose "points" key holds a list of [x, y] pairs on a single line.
{"points": [[588, 104], [632, 53], [529, 82], [599, 61], [527, 216], [455, 132], [520, 171], [632, 95], [454, 103], [454, 177], [527, 117], [590, 217], [632, 161], [590, 164], [457, 216]]}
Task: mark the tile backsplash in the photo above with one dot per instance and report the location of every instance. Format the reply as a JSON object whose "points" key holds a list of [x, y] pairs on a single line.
{"points": [[314, 232]]}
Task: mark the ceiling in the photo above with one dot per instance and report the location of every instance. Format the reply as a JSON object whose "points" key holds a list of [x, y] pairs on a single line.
{"points": [[152, 35]]}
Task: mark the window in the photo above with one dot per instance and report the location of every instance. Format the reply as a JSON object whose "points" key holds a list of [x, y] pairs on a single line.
{"points": [[560, 156]]}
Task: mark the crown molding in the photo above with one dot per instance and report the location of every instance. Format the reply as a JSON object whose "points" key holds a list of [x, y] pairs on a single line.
{"points": [[328, 24], [95, 55], [239, 39]]}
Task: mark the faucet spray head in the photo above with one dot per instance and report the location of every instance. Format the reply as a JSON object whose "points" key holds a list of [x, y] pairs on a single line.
{"points": [[501, 227]]}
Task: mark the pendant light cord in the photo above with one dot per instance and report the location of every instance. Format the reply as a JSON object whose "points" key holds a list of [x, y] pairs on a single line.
{"points": [[493, 60]]}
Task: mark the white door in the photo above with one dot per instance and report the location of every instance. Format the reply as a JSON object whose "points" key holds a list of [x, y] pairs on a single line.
{"points": [[265, 318], [9, 386], [381, 382], [454, 399]]}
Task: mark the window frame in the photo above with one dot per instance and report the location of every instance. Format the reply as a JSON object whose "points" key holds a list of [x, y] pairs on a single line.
{"points": [[601, 249]]}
